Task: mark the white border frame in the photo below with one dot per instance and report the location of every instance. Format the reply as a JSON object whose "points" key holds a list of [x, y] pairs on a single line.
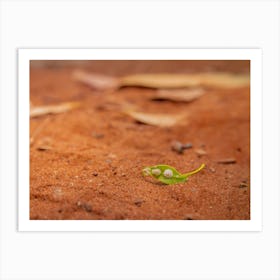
{"points": [[254, 55]]}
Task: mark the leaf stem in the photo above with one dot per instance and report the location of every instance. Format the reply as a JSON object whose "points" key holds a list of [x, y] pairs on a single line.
{"points": [[195, 171]]}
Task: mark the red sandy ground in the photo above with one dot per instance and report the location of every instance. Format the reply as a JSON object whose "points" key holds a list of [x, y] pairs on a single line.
{"points": [[92, 166]]}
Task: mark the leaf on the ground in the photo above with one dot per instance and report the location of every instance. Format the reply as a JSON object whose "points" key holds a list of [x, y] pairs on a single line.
{"points": [[227, 161], [209, 79], [164, 81], [36, 111], [168, 174], [225, 80], [178, 95], [162, 120], [96, 81]]}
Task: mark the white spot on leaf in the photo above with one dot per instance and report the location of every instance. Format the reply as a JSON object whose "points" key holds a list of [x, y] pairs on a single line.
{"points": [[156, 172], [168, 173]]}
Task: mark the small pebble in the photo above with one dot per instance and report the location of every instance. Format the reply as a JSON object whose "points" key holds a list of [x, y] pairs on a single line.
{"points": [[111, 156], [200, 152], [179, 147], [95, 174], [97, 135], [44, 144], [87, 207], [57, 194], [100, 107], [43, 148], [138, 202], [243, 185], [188, 218], [187, 146], [192, 217]]}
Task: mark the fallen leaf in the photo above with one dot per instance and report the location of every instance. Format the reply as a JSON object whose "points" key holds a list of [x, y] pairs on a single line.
{"points": [[168, 174], [227, 161], [96, 81], [38, 130], [162, 120], [164, 81], [167, 81], [36, 111], [178, 95]]}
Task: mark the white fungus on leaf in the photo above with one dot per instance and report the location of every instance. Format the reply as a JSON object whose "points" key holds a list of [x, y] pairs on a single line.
{"points": [[168, 173], [156, 171], [146, 171]]}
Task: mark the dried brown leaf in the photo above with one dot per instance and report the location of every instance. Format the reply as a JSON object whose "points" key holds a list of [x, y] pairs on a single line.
{"points": [[167, 81], [38, 130], [96, 81], [36, 111], [227, 161], [164, 81], [162, 120], [178, 95]]}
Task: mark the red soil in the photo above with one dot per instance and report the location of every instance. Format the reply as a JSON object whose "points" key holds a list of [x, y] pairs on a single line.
{"points": [[91, 167]]}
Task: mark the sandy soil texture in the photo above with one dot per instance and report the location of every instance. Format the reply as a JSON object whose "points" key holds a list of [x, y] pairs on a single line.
{"points": [[87, 163]]}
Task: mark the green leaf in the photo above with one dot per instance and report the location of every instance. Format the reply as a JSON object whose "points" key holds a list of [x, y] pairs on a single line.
{"points": [[168, 174]]}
